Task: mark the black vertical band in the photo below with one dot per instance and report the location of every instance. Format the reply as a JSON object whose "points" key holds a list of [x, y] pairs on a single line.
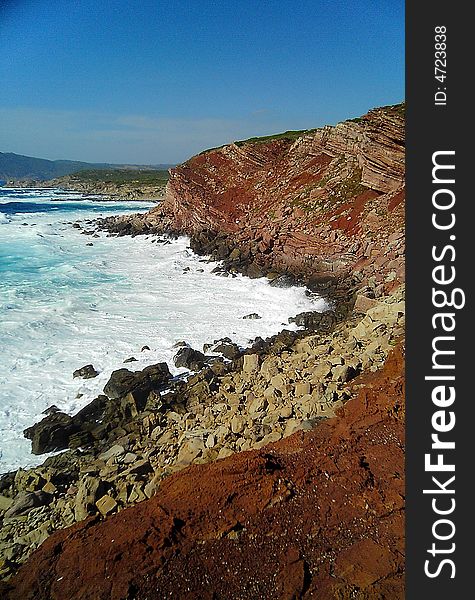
{"points": [[440, 361]]}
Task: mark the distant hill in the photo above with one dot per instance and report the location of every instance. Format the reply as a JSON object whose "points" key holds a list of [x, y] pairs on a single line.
{"points": [[130, 183], [17, 166]]}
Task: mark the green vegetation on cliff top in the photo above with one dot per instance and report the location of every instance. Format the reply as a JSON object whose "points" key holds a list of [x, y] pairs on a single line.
{"points": [[121, 176], [286, 135], [396, 109]]}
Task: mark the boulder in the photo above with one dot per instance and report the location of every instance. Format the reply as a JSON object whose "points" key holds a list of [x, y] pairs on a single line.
{"points": [[282, 340], [156, 375], [302, 388], [106, 505], [86, 372], [5, 503], [50, 410], [251, 363], [92, 412], [90, 489], [252, 316], [113, 451], [120, 383], [51, 433], [283, 281], [6, 480], [25, 501], [225, 347], [254, 271], [321, 321], [189, 358], [364, 303], [123, 381]]}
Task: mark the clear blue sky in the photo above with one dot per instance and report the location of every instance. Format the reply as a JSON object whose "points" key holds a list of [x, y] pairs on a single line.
{"points": [[153, 81]]}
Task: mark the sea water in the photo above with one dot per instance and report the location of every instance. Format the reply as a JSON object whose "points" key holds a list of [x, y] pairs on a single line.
{"points": [[65, 303]]}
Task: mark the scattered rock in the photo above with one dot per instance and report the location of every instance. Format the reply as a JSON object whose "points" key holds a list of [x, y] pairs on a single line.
{"points": [[283, 281], [51, 433], [363, 303], [252, 316], [50, 410], [86, 372], [251, 363], [106, 505], [25, 501], [5, 503], [123, 381], [225, 347], [189, 359], [114, 451]]}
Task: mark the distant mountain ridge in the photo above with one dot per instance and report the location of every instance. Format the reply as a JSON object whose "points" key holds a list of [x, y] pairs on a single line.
{"points": [[18, 166]]}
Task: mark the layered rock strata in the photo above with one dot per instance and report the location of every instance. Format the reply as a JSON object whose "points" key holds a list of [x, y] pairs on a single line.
{"points": [[328, 204]]}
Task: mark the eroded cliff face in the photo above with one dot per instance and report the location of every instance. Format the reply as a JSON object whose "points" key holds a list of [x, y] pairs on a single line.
{"points": [[329, 203]]}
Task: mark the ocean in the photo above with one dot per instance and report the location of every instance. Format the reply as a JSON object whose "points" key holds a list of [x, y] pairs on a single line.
{"points": [[65, 303]]}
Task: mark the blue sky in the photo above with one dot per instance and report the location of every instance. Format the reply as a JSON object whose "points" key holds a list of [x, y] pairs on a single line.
{"points": [[153, 81]]}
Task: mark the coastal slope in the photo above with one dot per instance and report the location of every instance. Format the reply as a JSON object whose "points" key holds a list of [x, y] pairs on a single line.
{"points": [[278, 474], [317, 515]]}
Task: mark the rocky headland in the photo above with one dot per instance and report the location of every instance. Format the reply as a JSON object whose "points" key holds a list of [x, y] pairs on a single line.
{"points": [[112, 184], [273, 471]]}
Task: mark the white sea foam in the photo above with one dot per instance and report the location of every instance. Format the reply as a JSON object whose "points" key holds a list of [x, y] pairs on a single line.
{"points": [[64, 304]]}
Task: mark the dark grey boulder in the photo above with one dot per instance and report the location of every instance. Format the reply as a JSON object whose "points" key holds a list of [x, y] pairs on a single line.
{"points": [[25, 501], [50, 410], [91, 413], [316, 321], [123, 381], [86, 372], [51, 433], [227, 349], [254, 271], [283, 281], [120, 383], [189, 358]]}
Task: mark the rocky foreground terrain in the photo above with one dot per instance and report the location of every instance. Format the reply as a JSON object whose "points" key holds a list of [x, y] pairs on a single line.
{"points": [[273, 471]]}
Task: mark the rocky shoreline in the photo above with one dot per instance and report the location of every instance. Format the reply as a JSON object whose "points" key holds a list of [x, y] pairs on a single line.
{"points": [[97, 192], [320, 390], [109, 191]]}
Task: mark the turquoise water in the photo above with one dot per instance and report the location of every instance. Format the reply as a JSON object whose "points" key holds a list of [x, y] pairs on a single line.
{"points": [[65, 303]]}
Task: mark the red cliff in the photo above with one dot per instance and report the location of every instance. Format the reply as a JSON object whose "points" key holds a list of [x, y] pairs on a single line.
{"points": [[330, 201]]}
